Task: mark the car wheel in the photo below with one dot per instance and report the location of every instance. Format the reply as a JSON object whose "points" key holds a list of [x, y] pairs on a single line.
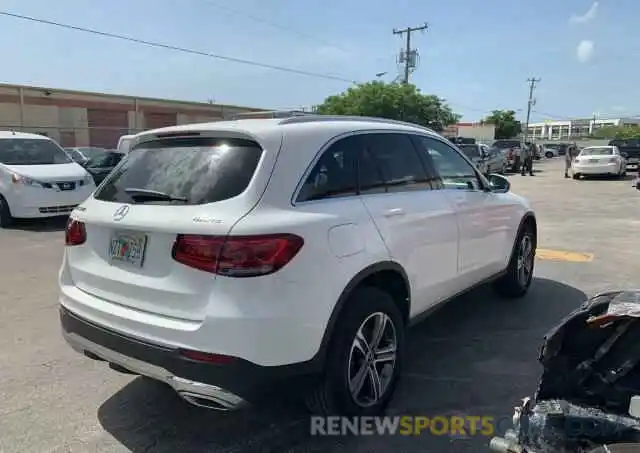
{"points": [[516, 281], [6, 220], [364, 357], [548, 154], [576, 176]]}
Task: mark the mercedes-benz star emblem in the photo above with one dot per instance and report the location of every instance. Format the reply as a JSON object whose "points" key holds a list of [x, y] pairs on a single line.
{"points": [[121, 212]]}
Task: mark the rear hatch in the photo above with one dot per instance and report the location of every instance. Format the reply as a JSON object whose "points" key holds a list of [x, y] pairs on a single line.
{"points": [[164, 188]]}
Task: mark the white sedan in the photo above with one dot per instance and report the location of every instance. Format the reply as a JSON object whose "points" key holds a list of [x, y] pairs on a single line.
{"points": [[599, 160]]}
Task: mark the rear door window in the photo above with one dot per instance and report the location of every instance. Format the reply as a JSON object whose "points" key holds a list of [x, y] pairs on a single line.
{"points": [[397, 163], [183, 171]]}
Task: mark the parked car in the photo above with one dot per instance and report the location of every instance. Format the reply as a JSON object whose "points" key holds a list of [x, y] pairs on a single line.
{"points": [[599, 160], [630, 148], [462, 140], [83, 154], [488, 160], [233, 258], [512, 150], [101, 165], [38, 179], [550, 150], [560, 149]]}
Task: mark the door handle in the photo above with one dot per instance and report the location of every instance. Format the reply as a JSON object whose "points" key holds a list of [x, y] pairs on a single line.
{"points": [[394, 212]]}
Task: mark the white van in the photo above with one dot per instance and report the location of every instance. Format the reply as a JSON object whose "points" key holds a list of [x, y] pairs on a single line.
{"points": [[38, 179], [124, 143]]}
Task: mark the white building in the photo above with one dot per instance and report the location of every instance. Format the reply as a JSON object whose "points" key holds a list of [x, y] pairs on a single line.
{"points": [[575, 128], [482, 132]]}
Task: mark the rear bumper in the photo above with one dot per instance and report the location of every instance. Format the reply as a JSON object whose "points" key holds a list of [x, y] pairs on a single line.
{"points": [[604, 169], [226, 386]]}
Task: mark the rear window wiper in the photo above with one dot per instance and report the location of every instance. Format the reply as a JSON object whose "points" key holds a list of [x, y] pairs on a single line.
{"points": [[152, 195]]}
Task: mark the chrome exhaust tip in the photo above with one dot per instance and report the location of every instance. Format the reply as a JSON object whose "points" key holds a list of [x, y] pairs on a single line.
{"points": [[207, 402]]}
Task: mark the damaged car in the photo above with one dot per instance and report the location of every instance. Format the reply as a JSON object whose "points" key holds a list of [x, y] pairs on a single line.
{"points": [[588, 397]]}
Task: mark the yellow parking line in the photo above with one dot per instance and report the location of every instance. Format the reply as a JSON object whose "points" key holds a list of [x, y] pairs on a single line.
{"points": [[563, 255]]}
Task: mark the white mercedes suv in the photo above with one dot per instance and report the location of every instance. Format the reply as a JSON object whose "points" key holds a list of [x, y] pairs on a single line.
{"points": [[235, 259]]}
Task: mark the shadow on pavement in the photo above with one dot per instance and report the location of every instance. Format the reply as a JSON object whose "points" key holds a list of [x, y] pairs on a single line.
{"points": [[476, 356], [627, 177], [40, 225]]}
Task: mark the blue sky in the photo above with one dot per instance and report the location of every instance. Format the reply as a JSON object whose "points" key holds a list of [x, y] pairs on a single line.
{"points": [[476, 54]]}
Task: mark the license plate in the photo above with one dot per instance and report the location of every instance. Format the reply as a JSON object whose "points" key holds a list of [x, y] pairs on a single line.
{"points": [[633, 160], [128, 248], [593, 161]]}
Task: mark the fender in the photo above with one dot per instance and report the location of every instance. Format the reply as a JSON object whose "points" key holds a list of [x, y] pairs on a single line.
{"points": [[319, 358], [528, 215]]}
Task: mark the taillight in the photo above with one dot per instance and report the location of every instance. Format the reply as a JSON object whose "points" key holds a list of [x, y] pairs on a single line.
{"points": [[613, 160], [207, 357], [75, 233], [237, 256]]}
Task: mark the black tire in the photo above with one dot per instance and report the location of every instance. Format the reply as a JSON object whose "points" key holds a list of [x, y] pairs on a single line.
{"points": [[576, 176], [6, 220], [333, 396], [517, 280], [548, 155]]}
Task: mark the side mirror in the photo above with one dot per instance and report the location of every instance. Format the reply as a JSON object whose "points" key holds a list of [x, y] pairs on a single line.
{"points": [[499, 183]]}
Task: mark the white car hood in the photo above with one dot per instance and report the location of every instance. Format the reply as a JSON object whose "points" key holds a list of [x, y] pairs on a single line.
{"points": [[58, 172]]}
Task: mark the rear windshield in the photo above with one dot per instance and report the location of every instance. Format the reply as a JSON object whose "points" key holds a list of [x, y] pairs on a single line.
{"points": [[29, 151], [184, 170], [596, 152], [470, 150], [507, 144]]}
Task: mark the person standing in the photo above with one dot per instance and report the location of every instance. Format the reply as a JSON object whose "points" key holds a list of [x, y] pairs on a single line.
{"points": [[568, 158], [527, 152]]}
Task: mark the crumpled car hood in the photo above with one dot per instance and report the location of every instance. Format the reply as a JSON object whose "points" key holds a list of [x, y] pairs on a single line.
{"points": [[591, 370]]}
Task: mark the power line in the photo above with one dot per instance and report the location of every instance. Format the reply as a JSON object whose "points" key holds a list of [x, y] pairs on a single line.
{"points": [[409, 56], [272, 24], [178, 49]]}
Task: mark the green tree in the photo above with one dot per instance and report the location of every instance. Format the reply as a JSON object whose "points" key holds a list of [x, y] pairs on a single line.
{"points": [[617, 132], [505, 122], [393, 101]]}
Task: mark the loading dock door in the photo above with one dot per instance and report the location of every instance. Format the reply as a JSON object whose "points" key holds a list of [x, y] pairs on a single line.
{"points": [[106, 127], [154, 120]]}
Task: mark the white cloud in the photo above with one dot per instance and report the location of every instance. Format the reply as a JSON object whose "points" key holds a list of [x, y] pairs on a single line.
{"points": [[584, 51], [586, 17]]}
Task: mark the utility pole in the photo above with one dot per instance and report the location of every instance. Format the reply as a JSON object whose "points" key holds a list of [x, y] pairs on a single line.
{"points": [[532, 86], [409, 55]]}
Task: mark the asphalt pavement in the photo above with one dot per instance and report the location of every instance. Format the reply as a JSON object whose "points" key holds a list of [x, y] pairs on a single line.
{"points": [[475, 356]]}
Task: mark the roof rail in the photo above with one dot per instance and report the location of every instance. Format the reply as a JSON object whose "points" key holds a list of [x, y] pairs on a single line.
{"points": [[269, 114], [308, 118]]}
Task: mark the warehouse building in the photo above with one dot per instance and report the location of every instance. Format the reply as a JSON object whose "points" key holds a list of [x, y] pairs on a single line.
{"points": [[575, 128], [76, 118]]}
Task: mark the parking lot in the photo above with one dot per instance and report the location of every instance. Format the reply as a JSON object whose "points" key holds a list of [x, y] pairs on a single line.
{"points": [[476, 356]]}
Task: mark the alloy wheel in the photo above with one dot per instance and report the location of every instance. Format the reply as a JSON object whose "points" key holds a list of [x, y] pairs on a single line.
{"points": [[525, 260], [372, 359]]}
